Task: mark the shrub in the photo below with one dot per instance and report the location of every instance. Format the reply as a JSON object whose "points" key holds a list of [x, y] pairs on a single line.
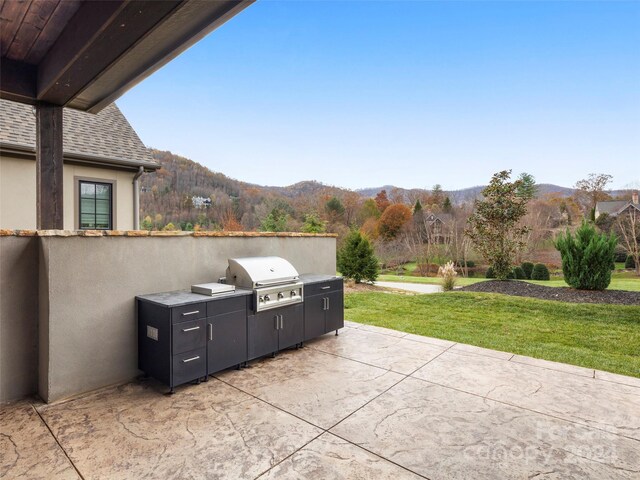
{"points": [[511, 275], [448, 274], [470, 263], [587, 257], [540, 272], [490, 273], [629, 262], [518, 272], [527, 267], [356, 259]]}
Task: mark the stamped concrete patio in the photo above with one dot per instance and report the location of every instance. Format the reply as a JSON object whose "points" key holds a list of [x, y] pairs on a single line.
{"points": [[369, 404]]}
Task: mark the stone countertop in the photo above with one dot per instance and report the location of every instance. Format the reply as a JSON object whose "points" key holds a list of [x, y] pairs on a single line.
{"points": [[309, 278], [185, 297]]}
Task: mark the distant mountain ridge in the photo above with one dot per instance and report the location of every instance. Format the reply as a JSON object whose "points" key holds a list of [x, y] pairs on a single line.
{"points": [[201, 180]]}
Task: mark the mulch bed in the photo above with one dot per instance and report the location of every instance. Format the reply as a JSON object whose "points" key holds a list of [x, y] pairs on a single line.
{"points": [[561, 294]]}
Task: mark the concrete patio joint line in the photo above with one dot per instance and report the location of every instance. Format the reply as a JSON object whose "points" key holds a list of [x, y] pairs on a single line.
{"points": [[56, 440]]}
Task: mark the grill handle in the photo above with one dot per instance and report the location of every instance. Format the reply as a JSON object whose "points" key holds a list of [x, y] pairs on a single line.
{"points": [[281, 321], [326, 288], [275, 317]]}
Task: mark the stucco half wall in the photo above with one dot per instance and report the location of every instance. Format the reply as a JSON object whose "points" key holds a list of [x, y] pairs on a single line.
{"points": [[18, 316], [87, 319]]}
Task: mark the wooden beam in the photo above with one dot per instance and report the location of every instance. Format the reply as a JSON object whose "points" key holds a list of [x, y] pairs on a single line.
{"points": [[17, 81], [49, 167], [95, 37]]}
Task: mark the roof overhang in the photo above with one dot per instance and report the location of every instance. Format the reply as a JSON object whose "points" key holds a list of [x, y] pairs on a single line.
{"points": [[88, 53], [22, 151]]}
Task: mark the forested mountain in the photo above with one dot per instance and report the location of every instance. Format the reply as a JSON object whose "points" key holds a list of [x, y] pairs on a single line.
{"points": [[189, 195]]}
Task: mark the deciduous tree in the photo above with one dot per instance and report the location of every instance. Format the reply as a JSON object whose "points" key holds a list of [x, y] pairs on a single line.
{"points": [[494, 225], [382, 201], [591, 190], [393, 219], [628, 226]]}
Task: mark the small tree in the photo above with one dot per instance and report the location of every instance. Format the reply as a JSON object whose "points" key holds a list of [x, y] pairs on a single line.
{"points": [[334, 208], [276, 221], [628, 225], [528, 188], [587, 257], [447, 207], [356, 259], [313, 224], [493, 227]]}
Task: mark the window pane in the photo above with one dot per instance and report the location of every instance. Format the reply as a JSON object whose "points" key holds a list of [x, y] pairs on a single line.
{"points": [[103, 206], [87, 189], [102, 221], [103, 191], [87, 205], [87, 221]]}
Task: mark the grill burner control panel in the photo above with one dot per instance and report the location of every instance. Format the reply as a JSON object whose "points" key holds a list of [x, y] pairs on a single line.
{"points": [[278, 296]]}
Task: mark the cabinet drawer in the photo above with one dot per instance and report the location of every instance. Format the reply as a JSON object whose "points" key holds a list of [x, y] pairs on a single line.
{"points": [[189, 366], [188, 312], [226, 305], [188, 335], [323, 287]]}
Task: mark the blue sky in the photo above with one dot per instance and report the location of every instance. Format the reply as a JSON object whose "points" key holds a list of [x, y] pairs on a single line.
{"points": [[361, 93]]}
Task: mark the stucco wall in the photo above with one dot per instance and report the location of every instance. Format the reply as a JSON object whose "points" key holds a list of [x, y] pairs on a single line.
{"points": [[88, 285], [18, 317], [18, 193]]}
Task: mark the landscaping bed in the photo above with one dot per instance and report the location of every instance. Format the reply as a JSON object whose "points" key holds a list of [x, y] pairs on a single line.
{"points": [[563, 294]]}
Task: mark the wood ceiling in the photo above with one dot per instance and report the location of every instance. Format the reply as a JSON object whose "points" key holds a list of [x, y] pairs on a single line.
{"points": [[84, 54], [29, 28]]}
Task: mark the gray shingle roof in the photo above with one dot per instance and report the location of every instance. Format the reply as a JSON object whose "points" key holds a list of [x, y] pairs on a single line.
{"points": [[106, 135], [614, 207]]}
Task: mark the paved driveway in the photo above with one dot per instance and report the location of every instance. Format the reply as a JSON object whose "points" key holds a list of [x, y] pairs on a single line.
{"points": [[412, 287], [369, 404]]}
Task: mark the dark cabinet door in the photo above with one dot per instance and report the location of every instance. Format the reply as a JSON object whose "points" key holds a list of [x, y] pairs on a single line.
{"points": [[335, 311], [262, 333], [226, 340], [291, 330], [314, 323]]}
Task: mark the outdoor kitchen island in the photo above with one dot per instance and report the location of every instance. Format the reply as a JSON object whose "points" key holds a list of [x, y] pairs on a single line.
{"points": [[185, 337]]}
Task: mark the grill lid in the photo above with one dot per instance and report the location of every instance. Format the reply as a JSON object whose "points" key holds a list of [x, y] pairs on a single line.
{"points": [[254, 272]]}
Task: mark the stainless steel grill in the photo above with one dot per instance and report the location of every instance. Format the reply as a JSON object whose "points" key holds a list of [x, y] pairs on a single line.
{"points": [[275, 282]]}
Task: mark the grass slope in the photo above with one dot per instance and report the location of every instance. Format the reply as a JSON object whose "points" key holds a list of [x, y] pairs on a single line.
{"points": [[604, 337]]}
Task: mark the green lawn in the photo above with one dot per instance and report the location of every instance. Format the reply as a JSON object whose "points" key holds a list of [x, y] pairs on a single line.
{"points": [[605, 337], [619, 281]]}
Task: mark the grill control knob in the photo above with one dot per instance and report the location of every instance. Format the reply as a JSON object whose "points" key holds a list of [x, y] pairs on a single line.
{"points": [[280, 295], [267, 298], [261, 299], [293, 293]]}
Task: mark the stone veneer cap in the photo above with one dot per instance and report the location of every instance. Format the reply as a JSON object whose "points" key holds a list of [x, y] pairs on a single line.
{"points": [[146, 233]]}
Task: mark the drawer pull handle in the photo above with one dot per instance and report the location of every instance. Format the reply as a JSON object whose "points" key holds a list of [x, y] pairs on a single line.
{"points": [[190, 329], [190, 313], [187, 360], [326, 288]]}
